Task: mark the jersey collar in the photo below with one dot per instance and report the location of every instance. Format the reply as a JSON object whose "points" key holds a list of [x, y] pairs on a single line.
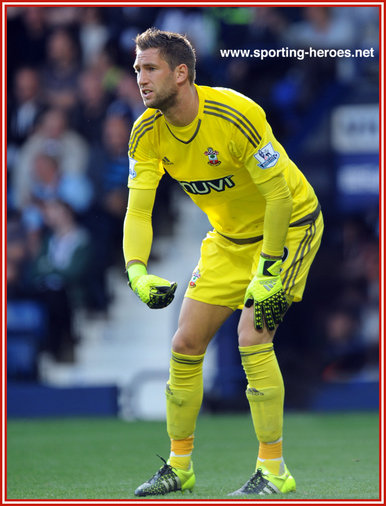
{"points": [[187, 133]]}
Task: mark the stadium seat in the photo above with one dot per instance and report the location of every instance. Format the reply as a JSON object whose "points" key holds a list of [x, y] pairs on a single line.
{"points": [[26, 317], [26, 330], [22, 353]]}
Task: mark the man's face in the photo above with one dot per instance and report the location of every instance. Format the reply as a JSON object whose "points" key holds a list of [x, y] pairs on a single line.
{"points": [[156, 81]]}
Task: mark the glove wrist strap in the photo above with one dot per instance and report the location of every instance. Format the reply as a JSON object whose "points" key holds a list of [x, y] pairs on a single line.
{"points": [[269, 266]]}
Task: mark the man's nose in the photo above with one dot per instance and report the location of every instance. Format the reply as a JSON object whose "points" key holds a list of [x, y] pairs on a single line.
{"points": [[141, 78]]}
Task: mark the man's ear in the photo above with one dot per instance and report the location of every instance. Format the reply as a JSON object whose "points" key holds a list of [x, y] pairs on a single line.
{"points": [[181, 73]]}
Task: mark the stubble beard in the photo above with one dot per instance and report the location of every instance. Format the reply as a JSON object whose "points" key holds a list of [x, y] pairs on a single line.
{"points": [[164, 102]]}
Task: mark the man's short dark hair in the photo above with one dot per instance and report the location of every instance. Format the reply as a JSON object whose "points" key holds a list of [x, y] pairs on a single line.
{"points": [[174, 48]]}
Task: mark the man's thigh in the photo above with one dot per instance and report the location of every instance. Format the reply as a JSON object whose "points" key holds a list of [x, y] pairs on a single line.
{"points": [[198, 323]]}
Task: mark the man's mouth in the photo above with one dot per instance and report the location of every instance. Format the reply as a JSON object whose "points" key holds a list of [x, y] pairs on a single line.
{"points": [[146, 93]]}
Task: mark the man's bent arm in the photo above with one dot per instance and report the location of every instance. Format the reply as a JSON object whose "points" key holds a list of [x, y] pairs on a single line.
{"points": [[265, 291], [154, 291], [277, 214]]}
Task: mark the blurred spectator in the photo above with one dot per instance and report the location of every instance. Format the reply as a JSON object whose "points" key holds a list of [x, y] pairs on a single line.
{"points": [[108, 167], [106, 64], [361, 266], [361, 256], [194, 23], [232, 25], [344, 348], [59, 275], [93, 34], [108, 170], [17, 254], [128, 102], [25, 105], [53, 138], [266, 28], [61, 70], [48, 183], [364, 22], [24, 108], [126, 22], [349, 322], [61, 16], [310, 81], [321, 28], [91, 108], [27, 34]]}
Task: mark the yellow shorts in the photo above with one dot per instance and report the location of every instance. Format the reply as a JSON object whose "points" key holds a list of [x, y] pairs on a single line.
{"points": [[225, 268]]}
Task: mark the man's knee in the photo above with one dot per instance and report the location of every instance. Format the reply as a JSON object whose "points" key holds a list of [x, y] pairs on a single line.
{"points": [[197, 324], [188, 344], [248, 335], [253, 337]]}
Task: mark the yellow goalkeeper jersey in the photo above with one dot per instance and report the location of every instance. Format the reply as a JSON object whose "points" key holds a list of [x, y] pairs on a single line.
{"points": [[219, 160]]}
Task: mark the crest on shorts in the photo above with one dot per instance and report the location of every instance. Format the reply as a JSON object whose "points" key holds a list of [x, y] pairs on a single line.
{"points": [[212, 156], [267, 156], [195, 276]]}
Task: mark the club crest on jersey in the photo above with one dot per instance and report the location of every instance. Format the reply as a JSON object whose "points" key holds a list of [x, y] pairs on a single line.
{"points": [[267, 156], [195, 276], [212, 156]]}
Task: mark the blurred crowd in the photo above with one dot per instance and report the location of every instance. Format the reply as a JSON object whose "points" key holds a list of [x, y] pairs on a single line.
{"points": [[71, 100], [333, 335]]}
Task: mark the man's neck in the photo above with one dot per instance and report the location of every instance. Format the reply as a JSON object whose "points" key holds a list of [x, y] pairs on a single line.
{"points": [[185, 109]]}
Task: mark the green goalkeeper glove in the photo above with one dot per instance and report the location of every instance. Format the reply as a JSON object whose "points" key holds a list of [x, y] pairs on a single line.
{"points": [[154, 291], [266, 292]]}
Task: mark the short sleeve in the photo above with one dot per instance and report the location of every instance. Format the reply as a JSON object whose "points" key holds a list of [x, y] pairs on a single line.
{"points": [[265, 157], [144, 174], [145, 167]]}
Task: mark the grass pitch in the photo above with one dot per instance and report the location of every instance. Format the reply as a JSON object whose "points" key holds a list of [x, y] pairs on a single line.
{"points": [[332, 456]]}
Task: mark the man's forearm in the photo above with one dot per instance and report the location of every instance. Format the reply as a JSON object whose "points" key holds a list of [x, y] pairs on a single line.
{"points": [[276, 221], [137, 228], [277, 215]]}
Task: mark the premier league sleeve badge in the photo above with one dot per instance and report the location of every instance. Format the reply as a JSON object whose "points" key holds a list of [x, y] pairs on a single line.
{"points": [[267, 156]]}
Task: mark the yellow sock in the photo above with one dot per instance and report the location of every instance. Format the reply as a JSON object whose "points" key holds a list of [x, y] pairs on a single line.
{"points": [[181, 452], [265, 393], [184, 394], [271, 456]]}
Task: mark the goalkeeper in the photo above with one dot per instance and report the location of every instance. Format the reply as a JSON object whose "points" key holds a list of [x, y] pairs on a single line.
{"points": [[267, 228]]}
